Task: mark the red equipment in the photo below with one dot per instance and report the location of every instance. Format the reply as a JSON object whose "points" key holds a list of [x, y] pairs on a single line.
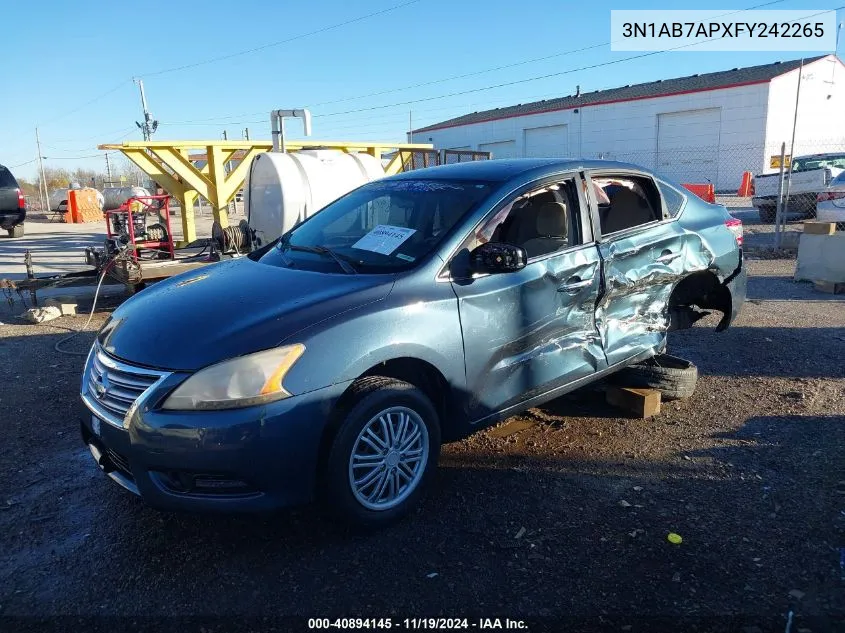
{"points": [[127, 225]]}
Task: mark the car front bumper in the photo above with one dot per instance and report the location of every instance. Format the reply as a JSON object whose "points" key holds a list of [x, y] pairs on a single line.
{"points": [[241, 460]]}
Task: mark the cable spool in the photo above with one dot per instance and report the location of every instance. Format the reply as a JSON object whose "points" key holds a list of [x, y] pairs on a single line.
{"points": [[232, 239]]}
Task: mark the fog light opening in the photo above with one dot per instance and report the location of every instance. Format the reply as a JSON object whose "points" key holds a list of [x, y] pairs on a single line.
{"points": [[184, 482]]}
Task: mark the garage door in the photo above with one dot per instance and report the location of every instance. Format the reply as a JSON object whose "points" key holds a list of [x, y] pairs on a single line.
{"points": [[688, 145], [551, 141], [501, 149]]}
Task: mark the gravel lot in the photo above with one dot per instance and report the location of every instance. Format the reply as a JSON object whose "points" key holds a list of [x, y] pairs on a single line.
{"points": [[565, 520]]}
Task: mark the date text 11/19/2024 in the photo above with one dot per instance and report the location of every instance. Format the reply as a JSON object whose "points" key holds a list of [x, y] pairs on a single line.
{"points": [[430, 624]]}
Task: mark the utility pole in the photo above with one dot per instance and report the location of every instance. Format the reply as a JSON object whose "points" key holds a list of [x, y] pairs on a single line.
{"points": [[108, 168], [150, 125], [791, 155], [45, 203], [246, 133]]}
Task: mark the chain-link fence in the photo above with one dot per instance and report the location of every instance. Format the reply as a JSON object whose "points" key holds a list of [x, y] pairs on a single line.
{"points": [[422, 158], [808, 188], [451, 156]]}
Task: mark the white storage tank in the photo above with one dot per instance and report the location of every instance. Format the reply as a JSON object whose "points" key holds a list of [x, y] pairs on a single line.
{"points": [[58, 198], [282, 189], [116, 196]]}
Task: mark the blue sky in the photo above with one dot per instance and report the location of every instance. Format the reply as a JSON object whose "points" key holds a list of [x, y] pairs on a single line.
{"points": [[68, 69]]}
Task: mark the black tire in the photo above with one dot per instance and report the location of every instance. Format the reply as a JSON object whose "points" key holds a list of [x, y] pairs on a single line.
{"points": [[16, 231], [369, 396], [674, 377], [767, 214]]}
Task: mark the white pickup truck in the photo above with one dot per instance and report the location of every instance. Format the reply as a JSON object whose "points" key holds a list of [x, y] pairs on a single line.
{"points": [[810, 175]]}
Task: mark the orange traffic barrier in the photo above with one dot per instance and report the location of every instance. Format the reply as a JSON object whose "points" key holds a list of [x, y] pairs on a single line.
{"points": [[705, 192], [746, 187], [82, 206]]}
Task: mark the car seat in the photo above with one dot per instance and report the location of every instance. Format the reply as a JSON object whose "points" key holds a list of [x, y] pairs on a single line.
{"points": [[627, 209], [551, 230]]}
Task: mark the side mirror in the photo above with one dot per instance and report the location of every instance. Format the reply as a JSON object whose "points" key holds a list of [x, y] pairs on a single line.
{"points": [[497, 257]]}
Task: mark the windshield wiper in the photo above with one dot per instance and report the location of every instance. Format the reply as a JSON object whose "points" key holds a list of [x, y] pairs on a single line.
{"points": [[324, 250]]}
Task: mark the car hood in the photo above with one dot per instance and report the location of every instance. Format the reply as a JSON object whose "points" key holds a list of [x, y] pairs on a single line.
{"points": [[229, 309]]}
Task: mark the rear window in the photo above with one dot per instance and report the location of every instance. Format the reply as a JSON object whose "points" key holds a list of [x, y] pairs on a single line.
{"points": [[809, 163], [673, 198], [6, 178]]}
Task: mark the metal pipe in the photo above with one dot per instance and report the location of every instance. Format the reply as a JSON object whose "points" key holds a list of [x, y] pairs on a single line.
{"points": [[277, 125], [779, 208]]}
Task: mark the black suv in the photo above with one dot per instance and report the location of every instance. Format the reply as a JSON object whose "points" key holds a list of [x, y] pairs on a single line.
{"points": [[12, 204]]}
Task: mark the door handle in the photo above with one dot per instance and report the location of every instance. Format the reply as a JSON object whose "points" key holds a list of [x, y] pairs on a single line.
{"points": [[574, 284], [667, 257]]}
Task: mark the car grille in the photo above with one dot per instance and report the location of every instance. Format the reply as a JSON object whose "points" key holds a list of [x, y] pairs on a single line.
{"points": [[112, 387]]}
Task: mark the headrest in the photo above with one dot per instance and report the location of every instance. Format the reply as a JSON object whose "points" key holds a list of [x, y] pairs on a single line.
{"points": [[552, 220], [626, 196]]}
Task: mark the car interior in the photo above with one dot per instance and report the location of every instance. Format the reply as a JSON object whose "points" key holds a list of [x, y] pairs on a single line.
{"points": [[626, 202], [540, 221]]}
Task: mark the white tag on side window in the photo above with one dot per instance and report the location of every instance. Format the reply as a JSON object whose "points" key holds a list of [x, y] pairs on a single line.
{"points": [[384, 239]]}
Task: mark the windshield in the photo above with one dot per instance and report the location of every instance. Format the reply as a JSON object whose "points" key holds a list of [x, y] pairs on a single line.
{"points": [[817, 162], [384, 226]]}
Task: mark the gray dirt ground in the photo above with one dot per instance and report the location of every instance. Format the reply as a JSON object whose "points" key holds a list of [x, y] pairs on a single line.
{"points": [[567, 518]]}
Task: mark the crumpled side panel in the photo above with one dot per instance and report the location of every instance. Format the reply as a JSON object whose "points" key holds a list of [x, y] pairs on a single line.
{"points": [[640, 273]]}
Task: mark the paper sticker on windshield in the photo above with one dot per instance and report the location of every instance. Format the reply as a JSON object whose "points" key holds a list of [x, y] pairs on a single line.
{"points": [[384, 239]]}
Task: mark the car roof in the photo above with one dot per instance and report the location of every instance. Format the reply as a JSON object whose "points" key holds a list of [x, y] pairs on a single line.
{"points": [[504, 169], [823, 155]]}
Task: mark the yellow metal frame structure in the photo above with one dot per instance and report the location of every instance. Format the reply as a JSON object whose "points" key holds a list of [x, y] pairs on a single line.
{"points": [[169, 164]]}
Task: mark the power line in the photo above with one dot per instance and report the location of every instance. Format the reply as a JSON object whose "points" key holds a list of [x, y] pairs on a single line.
{"points": [[93, 136], [464, 76], [419, 85], [234, 119], [126, 132], [539, 77], [513, 65], [86, 104], [22, 164], [77, 157], [280, 42]]}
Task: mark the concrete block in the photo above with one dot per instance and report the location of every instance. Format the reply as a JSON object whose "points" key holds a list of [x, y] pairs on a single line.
{"points": [[642, 403], [66, 305], [821, 258], [820, 228]]}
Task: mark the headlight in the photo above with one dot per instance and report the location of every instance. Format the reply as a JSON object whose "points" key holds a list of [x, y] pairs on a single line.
{"points": [[241, 382]]}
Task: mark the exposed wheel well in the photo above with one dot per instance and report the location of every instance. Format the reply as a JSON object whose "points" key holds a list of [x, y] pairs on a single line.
{"points": [[698, 292], [419, 373]]}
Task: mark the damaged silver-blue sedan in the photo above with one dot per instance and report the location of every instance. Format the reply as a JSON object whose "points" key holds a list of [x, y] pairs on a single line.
{"points": [[333, 362]]}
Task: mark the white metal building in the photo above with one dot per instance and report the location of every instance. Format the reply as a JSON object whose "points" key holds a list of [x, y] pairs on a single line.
{"points": [[709, 127]]}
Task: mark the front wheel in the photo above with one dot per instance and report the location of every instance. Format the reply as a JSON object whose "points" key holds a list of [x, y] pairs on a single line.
{"points": [[383, 454]]}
